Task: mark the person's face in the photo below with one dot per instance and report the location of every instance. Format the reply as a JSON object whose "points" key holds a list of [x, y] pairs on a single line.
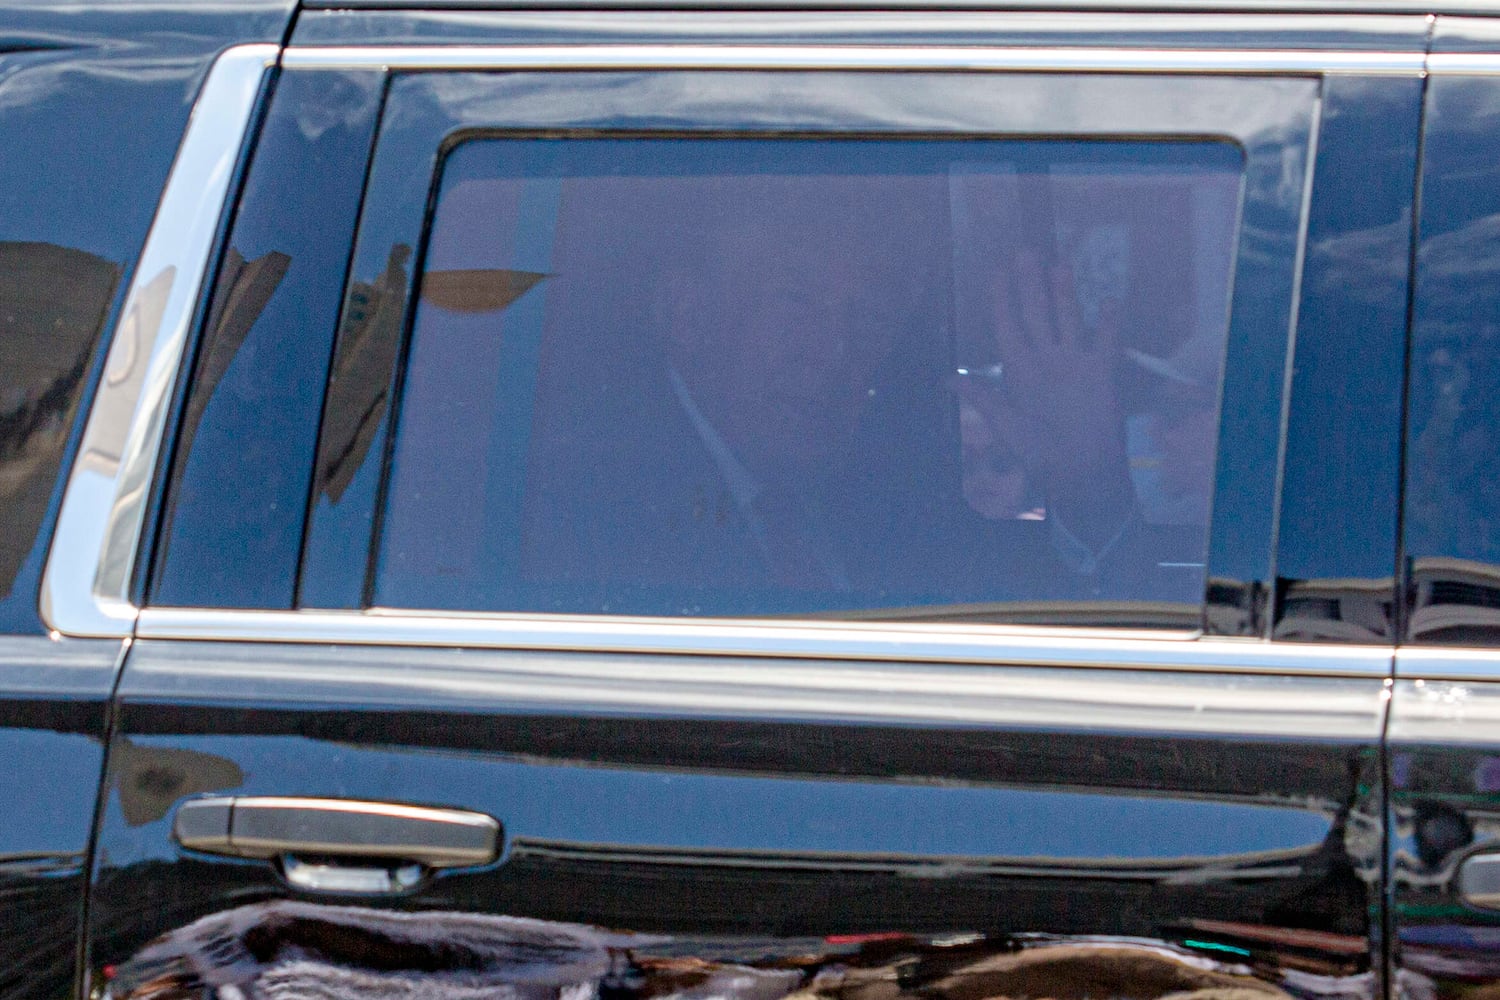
{"points": [[777, 334]]}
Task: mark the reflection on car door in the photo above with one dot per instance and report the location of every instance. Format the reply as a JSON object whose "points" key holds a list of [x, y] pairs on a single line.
{"points": [[494, 800], [1444, 770], [744, 828]]}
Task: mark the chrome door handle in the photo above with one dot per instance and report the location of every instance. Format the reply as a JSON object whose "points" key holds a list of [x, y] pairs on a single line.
{"points": [[268, 827], [1479, 880]]}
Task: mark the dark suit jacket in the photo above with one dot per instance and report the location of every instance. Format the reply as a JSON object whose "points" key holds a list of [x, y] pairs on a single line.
{"points": [[626, 512], [645, 505]]}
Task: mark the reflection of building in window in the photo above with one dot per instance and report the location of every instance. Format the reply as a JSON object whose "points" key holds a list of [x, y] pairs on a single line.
{"points": [[477, 290], [1452, 500], [1454, 601], [243, 289], [53, 303], [1335, 610], [360, 383], [368, 339]]}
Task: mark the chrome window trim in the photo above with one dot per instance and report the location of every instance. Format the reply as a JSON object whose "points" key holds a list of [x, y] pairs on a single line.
{"points": [[1463, 63], [86, 584], [1456, 663], [854, 57], [587, 683], [85, 589], [807, 640]]}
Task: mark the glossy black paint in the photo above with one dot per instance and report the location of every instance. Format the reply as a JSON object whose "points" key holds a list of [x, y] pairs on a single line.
{"points": [[237, 500], [425, 111], [1454, 33], [1336, 561], [1445, 789], [815, 845], [1451, 534], [53, 698], [93, 102], [812, 846]]}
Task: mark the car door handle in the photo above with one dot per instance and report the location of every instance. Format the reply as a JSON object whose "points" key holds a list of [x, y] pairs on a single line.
{"points": [[1479, 880], [269, 826]]}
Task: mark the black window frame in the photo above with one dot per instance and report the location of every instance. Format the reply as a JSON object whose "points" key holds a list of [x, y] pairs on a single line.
{"points": [[427, 113]]}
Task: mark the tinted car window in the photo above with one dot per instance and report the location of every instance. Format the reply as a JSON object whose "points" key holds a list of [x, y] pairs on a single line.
{"points": [[238, 494], [55, 300], [1452, 523], [768, 376]]}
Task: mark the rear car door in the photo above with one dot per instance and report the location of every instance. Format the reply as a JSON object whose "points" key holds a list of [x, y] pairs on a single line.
{"points": [[773, 506], [84, 90], [1444, 769]]}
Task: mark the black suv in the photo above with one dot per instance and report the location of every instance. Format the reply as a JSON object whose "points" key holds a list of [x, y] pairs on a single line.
{"points": [[611, 501]]}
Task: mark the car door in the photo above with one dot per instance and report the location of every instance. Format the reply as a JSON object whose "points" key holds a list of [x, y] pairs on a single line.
{"points": [[1443, 733], [739, 506], [85, 90]]}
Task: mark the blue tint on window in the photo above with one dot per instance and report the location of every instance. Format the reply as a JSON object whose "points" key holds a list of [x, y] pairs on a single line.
{"points": [[1451, 521], [778, 377], [239, 495]]}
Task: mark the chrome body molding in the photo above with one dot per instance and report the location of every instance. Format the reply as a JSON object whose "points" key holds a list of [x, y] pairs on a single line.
{"points": [[904, 643], [1185, 870], [86, 585], [36, 666], [854, 57], [1445, 713], [589, 682]]}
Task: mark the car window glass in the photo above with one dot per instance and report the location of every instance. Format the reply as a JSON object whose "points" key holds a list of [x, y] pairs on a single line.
{"points": [[870, 378], [55, 302], [1452, 506]]}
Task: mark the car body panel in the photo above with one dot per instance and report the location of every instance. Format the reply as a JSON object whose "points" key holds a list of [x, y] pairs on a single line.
{"points": [[1443, 792], [727, 808], [54, 698], [93, 103], [790, 850], [762, 809], [1442, 733]]}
